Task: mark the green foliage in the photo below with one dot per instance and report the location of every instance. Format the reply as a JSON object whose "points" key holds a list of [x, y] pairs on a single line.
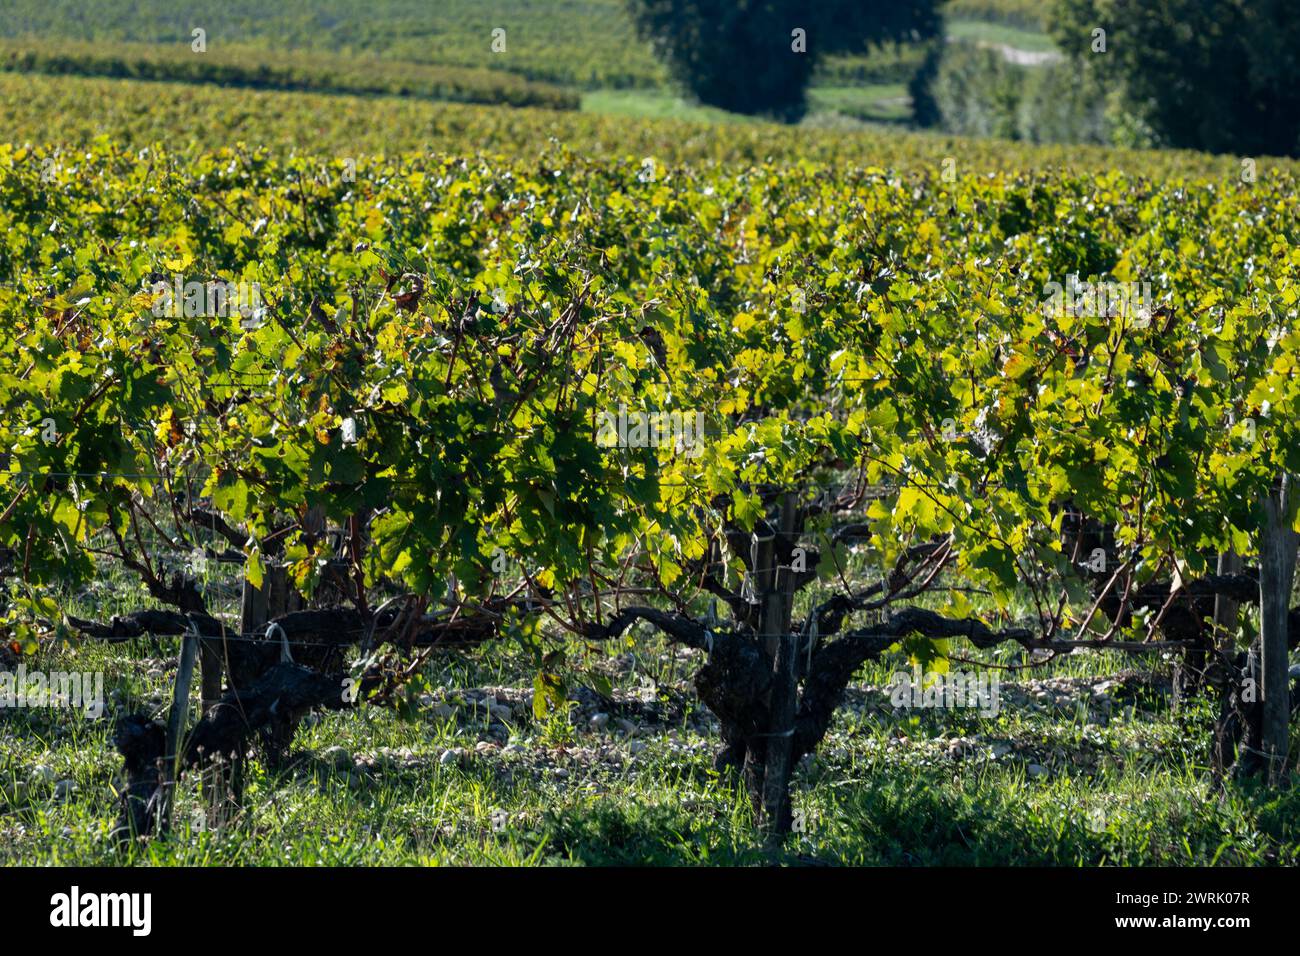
{"points": [[1218, 75], [823, 321], [758, 57]]}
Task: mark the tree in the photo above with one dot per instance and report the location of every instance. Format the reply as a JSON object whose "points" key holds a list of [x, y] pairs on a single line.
{"points": [[757, 56], [1217, 75]]}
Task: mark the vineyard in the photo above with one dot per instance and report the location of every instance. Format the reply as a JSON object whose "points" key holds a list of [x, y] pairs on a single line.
{"points": [[570, 42], [402, 464], [861, 435], [250, 68]]}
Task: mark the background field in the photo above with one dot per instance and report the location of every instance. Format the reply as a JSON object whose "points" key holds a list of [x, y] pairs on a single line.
{"points": [[584, 46]]}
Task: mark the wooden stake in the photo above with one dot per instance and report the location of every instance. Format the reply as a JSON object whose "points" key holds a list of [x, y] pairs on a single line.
{"points": [[176, 724], [777, 601], [1277, 560], [275, 597]]}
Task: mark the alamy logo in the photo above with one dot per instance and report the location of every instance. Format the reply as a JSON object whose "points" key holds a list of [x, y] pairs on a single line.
{"points": [[75, 909], [210, 300], [1099, 299], [683, 431], [955, 689], [58, 689]]}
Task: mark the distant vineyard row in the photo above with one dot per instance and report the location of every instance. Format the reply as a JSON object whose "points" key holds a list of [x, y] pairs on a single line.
{"points": [[250, 67], [580, 43], [73, 111]]}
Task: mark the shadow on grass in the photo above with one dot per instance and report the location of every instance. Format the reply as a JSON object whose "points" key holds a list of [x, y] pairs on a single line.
{"points": [[899, 821], [609, 835], [902, 820]]}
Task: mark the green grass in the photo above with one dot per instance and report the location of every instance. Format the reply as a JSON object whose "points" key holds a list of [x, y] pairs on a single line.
{"points": [[1000, 34], [654, 104], [1028, 14], [1085, 764], [878, 103], [1055, 779]]}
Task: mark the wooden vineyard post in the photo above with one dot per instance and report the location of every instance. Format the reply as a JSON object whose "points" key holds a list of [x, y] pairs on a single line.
{"points": [[762, 562], [777, 598], [176, 726], [210, 670], [1277, 560], [275, 597], [219, 782]]}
